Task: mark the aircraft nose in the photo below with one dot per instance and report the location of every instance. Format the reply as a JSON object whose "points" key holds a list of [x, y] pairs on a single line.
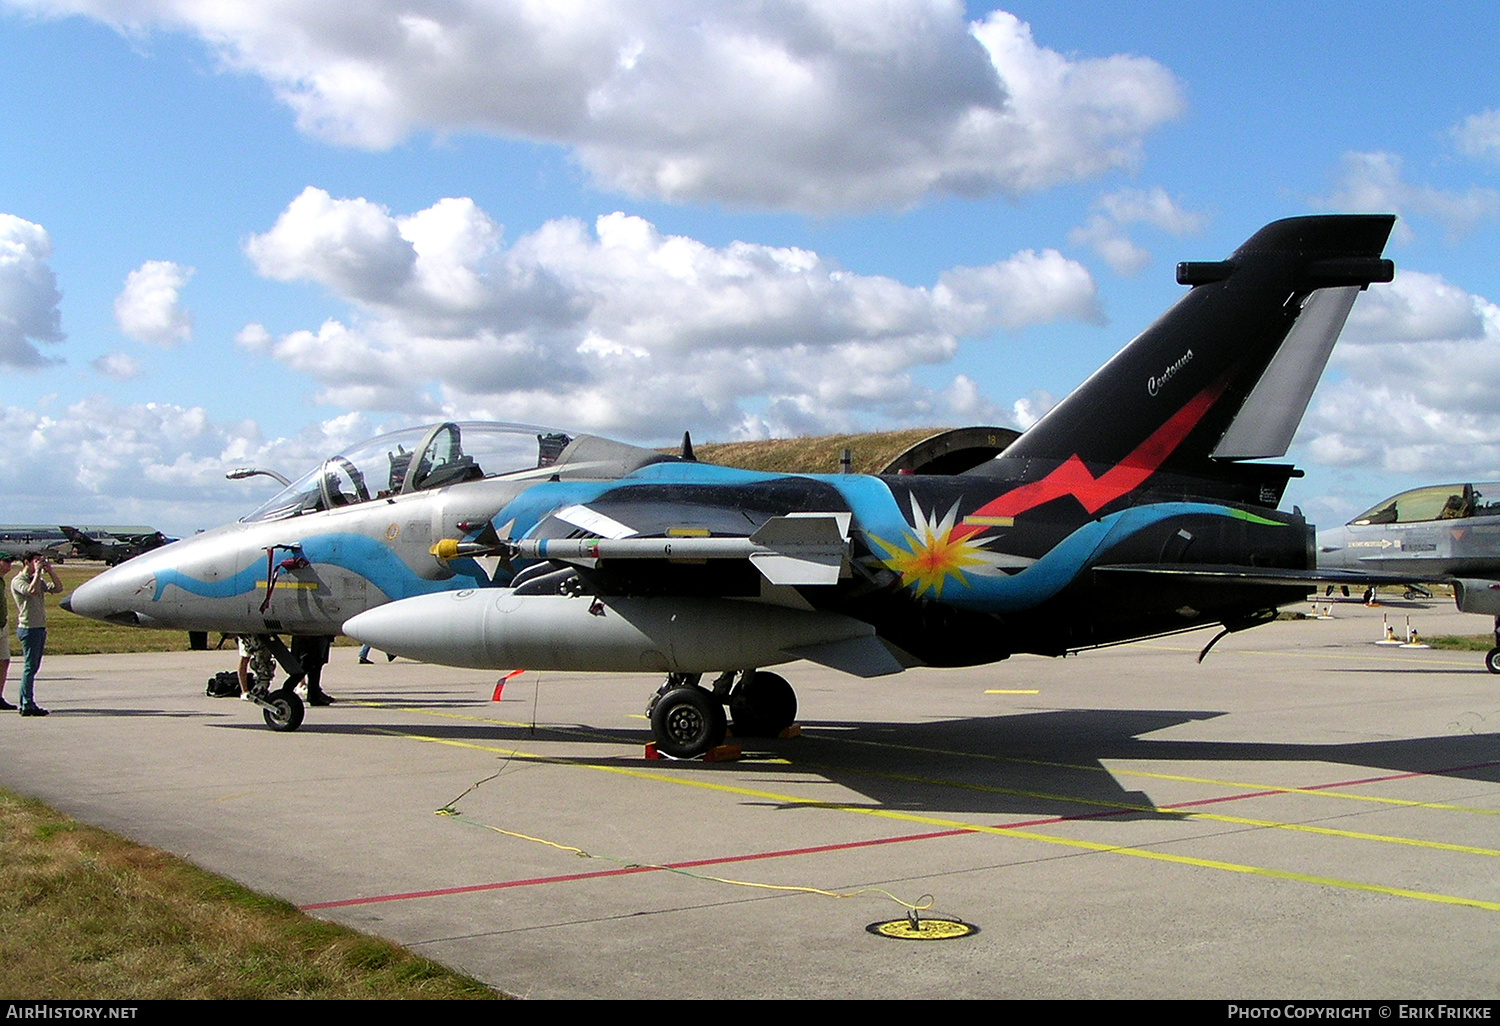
{"points": [[67, 604], [107, 597]]}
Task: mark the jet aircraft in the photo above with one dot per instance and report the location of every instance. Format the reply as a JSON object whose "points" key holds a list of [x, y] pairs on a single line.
{"points": [[115, 548], [1130, 510], [1448, 534]]}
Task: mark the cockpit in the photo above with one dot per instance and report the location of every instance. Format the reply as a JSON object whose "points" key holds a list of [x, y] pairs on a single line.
{"points": [[1435, 502], [414, 460]]}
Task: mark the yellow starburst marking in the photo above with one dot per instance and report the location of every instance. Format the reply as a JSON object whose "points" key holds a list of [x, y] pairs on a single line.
{"points": [[932, 555]]}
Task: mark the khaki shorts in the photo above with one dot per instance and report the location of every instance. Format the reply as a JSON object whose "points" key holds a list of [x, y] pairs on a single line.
{"points": [[5, 644]]}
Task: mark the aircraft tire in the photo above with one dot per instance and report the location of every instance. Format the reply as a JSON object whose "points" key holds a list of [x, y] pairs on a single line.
{"points": [[1492, 660], [288, 713], [687, 722], [763, 706]]}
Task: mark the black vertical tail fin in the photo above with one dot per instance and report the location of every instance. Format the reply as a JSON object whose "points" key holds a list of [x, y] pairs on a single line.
{"points": [[1227, 372]]}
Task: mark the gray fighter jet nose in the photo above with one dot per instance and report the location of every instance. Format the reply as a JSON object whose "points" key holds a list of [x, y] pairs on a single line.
{"points": [[67, 604], [102, 598]]}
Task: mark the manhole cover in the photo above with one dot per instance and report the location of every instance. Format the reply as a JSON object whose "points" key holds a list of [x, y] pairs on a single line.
{"points": [[923, 929]]}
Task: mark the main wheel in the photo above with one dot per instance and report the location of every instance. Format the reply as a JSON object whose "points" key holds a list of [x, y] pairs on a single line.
{"points": [[687, 723], [1492, 660], [763, 705], [288, 711]]}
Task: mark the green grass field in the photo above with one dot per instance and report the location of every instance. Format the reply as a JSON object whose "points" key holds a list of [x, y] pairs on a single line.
{"points": [[88, 915]]}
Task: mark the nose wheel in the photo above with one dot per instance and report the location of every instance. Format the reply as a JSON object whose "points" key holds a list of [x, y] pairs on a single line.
{"points": [[282, 709]]}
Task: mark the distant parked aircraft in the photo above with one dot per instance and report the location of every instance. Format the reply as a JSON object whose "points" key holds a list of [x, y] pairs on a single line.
{"points": [[115, 547], [1447, 534]]}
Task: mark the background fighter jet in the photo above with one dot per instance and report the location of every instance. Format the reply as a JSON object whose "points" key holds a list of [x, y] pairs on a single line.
{"points": [[115, 548], [1126, 512], [1448, 534]]}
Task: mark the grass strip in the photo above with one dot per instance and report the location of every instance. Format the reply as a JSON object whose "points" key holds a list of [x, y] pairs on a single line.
{"points": [[1462, 642], [88, 915]]}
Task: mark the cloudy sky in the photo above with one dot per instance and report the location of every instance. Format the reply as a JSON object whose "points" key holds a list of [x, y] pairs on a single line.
{"points": [[256, 231]]}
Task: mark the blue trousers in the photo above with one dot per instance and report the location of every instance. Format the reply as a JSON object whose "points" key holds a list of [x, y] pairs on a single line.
{"points": [[33, 642]]}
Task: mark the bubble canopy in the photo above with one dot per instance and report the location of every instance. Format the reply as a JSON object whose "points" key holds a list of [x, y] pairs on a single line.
{"points": [[1435, 502], [414, 460]]}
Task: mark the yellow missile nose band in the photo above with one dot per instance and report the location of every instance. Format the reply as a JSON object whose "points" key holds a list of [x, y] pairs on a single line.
{"points": [[445, 549]]}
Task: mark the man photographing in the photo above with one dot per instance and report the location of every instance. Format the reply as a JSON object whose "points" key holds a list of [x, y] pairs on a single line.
{"points": [[6, 562], [30, 587]]}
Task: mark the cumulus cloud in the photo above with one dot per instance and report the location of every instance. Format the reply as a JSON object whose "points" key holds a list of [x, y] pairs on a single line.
{"points": [[1416, 307], [119, 366], [149, 307], [1374, 182], [1032, 407], [1107, 230], [28, 294], [797, 105], [151, 463], [1420, 387], [1478, 135], [619, 328]]}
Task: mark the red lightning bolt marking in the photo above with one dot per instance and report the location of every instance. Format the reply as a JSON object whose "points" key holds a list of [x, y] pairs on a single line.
{"points": [[1073, 478]]}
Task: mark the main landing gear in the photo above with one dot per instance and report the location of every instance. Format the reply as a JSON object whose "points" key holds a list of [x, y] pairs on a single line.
{"points": [[688, 720], [1492, 657]]}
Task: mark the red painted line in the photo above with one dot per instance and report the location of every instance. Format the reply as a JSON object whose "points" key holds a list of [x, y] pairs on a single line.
{"points": [[628, 870], [852, 845]]}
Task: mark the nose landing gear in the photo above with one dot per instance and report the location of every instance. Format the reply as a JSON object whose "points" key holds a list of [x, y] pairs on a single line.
{"points": [[282, 709]]}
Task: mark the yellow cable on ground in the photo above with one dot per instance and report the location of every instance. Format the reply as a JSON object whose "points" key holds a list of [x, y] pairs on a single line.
{"points": [[924, 903]]}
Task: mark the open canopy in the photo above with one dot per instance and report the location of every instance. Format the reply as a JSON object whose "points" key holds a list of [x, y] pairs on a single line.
{"points": [[412, 460]]}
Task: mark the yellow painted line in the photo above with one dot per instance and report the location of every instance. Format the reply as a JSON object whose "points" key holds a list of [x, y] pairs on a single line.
{"points": [[938, 821], [1337, 653], [1010, 691], [551, 728], [1146, 774], [1242, 785], [1236, 784], [972, 521], [1349, 834], [1186, 811]]}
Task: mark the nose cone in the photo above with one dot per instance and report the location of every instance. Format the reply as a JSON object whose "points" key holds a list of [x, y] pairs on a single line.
{"points": [[1333, 551], [114, 595]]}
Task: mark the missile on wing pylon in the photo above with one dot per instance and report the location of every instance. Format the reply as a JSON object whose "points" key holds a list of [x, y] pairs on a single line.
{"points": [[494, 628], [799, 548]]}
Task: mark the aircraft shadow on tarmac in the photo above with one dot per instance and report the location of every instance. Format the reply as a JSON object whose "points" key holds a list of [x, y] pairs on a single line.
{"points": [[115, 712], [1044, 764]]}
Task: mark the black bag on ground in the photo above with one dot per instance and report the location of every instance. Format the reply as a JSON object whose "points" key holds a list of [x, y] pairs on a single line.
{"points": [[224, 685]]}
